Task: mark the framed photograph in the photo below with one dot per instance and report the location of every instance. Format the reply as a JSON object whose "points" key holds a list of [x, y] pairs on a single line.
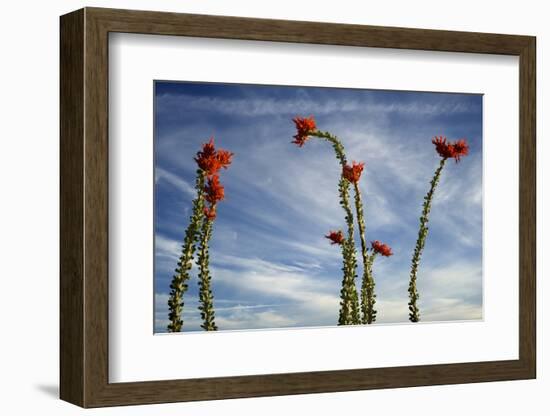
{"points": [[255, 207]]}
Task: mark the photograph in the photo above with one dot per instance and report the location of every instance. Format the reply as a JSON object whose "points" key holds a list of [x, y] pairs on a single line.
{"points": [[279, 206]]}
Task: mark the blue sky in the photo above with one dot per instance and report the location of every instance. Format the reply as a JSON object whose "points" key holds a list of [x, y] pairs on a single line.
{"points": [[271, 265]]}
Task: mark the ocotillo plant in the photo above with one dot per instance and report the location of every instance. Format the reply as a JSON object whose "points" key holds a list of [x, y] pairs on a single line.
{"points": [[445, 150], [209, 162], [368, 297], [349, 304], [368, 314]]}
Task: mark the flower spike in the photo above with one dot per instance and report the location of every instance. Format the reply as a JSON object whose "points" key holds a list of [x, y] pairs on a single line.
{"points": [[210, 160], [305, 126], [380, 248], [447, 149], [353, 173], [336, 237]]}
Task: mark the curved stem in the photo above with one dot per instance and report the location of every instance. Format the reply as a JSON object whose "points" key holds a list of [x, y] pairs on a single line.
{"points": [[179, 285], [414, 312], [349, 304], [206, 298]]}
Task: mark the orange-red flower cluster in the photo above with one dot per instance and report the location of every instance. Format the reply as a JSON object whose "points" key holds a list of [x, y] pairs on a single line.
{"points": [[304, 127], [353, 173], [335, 237], [381, 248], [211, 160], [210, 213], [213, 190], [449, 149], [461, 148]]}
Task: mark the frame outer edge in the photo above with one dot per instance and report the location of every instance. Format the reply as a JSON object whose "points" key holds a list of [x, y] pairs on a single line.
{"points": [[71, 319], [96, 209], [276, 30], [528, 208]]}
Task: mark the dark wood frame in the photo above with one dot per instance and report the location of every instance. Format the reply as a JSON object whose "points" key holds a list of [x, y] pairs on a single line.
{"points": [[84, 208]]}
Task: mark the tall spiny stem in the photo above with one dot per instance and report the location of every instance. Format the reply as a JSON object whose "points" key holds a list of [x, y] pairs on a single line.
{"points": [[368, 313], [206, 298], [414, 312], [368, 298], [179, 285], [349, 304]]}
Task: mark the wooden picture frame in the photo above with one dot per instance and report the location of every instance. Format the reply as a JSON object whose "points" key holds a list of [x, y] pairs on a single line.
{"points": [[84, 207]]}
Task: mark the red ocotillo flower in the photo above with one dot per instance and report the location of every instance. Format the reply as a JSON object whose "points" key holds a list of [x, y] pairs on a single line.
{"points": [[213, 190], [304, 127], [224, 158], [206, 158], [353, 173], [380, 248], [335, 237], [210, 213], [447, 149], [211, 160], [442, 147], [460, 148]]}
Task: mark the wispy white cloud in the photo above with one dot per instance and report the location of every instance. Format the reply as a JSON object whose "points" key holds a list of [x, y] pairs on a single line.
{"points": [[162, 175], [448, 292], [253, 107], [269, 279], [166, 247], [227, 317], [250, 319], [302, 297], [458, 280], [243, 307], [451, 310]]}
